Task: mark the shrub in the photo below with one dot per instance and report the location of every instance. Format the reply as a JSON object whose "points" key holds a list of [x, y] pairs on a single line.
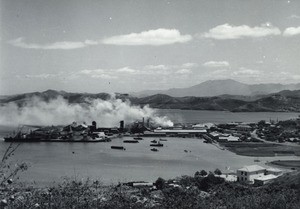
{"points": [[160, 183]]}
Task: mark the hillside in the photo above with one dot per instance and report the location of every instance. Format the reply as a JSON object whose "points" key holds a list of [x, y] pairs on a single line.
{"points": [[280, 102], [283, 101], [221, 87]]}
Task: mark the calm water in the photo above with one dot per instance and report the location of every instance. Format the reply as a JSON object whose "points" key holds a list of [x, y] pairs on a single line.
{"points": [[51, 161], [194, 116]]}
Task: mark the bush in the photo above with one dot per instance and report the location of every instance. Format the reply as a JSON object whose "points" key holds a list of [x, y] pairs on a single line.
{"points": [[203, 173], [218, 172], [160, 183]]}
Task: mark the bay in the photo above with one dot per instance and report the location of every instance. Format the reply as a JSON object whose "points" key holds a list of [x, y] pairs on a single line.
{"points": [[52, 161]]}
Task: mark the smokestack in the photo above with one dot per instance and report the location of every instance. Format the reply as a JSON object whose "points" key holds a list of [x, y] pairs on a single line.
{"points": [[94, 126], [121, 125]]}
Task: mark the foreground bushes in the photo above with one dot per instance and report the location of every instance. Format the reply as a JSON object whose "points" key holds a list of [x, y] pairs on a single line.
{"points": [[185, 192]]}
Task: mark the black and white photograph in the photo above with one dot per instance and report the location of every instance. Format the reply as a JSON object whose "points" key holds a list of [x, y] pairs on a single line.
{"points": [[155, 104]]}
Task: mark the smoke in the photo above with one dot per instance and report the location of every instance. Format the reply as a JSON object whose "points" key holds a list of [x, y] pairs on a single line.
{"points": [[59, 112]]}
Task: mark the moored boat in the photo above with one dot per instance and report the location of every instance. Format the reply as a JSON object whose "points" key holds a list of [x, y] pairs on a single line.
{"points": [[118, 147], [130, 141]]}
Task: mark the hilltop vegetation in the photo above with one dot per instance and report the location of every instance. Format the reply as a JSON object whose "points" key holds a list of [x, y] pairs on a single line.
{"points": [[185, 192]]}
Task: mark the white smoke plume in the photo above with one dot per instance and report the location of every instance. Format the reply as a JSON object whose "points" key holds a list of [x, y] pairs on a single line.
{"points": [[59, 112]]}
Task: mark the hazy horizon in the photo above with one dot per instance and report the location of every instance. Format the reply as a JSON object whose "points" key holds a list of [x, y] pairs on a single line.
{"points": [[54, 89]]}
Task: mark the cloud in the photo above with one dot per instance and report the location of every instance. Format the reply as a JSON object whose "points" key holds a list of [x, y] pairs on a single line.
{"points": [[246, 72], [126, 70], [291, 31], [183, 71], [216, 64], [189, 65], [42, 76], [157, 67], [65, 45], [294, 16], [226, 31], [156, 37]]}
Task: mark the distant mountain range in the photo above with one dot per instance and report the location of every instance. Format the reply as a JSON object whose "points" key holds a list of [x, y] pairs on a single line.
{"points": [[220, 87], [283, 101]]}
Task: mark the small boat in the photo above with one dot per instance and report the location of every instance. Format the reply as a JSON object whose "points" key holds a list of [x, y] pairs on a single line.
{"points": [[163, 140], [153, 141], [130, 141], [118, 147], [154, 150], [157, 145], [137, 138]]}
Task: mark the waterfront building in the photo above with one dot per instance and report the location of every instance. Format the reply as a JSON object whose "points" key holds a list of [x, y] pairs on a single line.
{"points": [[249, 173], [257, 174]]}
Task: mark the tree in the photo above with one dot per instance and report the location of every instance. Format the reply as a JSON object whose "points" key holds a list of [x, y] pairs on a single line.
{"points": [[160, 183], [217, 172], [203, 173]]}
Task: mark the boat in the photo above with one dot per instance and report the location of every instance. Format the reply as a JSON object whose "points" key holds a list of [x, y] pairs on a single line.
{"points": [[154, 150], [118, 147], [157, 145], [137, 138], [153, 141], [163, 140], [130, 141]]}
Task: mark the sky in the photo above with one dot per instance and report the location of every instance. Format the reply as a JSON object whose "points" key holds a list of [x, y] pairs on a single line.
{"points": [[132, 45]]}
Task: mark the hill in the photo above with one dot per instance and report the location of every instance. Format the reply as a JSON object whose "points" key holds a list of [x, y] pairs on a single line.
{"points": [[283, 101], [221, 87]]}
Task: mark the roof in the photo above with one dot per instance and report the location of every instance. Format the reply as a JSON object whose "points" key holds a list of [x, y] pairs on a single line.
{"points": [[229, 138], [180, 131], [266, 177], [252, 168]]}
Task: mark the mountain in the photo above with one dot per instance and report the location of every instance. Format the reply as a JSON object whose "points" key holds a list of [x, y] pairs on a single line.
{"points": [[21, 99], [221, 87], [282, 101]]}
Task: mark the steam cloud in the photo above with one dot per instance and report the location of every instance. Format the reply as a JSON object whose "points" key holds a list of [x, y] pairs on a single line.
{"points": [[59, 112]]}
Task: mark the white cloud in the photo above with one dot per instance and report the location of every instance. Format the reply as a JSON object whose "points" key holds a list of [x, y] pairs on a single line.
{"points": [[65, 45], [41, 76], [104, 76], [294, 16], [291, 31], [157, 67], [216, 64], [126, 70], [226, 31], [189, 65], [183, 71], [156, 37], [246, 72]]}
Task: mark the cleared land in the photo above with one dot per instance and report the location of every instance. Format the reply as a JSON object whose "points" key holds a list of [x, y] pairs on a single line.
{"points": [[261, 149], [287, 163]]}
